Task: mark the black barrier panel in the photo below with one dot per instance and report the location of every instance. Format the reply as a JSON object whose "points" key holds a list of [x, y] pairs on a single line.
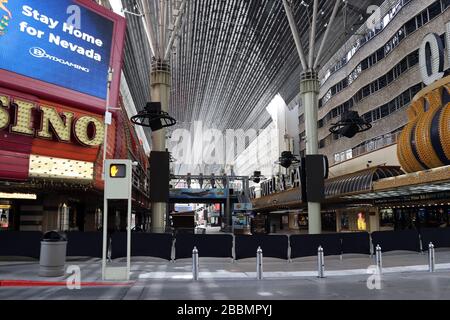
{"points": [[20, 243], [208, 245], [274, 246], [84, 244], [306, 245], [407, 240], [355, 242], [158, 245], [440, 237]]}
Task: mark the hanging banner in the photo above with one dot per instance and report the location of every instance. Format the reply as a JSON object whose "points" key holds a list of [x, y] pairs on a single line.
{"points": [[198, 194]]}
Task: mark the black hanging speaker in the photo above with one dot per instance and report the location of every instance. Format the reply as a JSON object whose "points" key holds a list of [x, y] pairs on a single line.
{"points": [[159, 176], [314, 171]]}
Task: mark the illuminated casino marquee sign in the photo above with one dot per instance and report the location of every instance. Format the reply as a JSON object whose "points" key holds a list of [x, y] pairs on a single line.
{"points": [[432, 56], [18, 118]]}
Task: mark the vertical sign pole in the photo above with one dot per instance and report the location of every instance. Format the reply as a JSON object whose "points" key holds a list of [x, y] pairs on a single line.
{"points": [[105, 148], [107, 119], [105, 235], [129, 239]]}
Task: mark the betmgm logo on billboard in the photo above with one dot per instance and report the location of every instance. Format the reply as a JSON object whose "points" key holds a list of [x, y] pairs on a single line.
{"points": [[5, 17], [42, 54]]}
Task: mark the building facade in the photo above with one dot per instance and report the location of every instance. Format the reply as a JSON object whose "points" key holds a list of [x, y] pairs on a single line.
{"points": [[378, 73], [51, 159]]}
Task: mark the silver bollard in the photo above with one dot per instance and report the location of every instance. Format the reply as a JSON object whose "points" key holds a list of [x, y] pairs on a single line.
{"points": [[320, 263], [431, 260], [379, 259], [195, 264], [259, 263]]}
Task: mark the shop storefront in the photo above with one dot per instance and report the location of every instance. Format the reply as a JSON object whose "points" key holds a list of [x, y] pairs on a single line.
{"points": [[356, 219], [52, 119], [51, 165], [415, 217]]}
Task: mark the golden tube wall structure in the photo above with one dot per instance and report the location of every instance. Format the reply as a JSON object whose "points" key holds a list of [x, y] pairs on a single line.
{"points": [[424, 143]]}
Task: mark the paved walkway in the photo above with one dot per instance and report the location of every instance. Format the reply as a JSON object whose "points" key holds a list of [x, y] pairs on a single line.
{"points": [[405, 276]]}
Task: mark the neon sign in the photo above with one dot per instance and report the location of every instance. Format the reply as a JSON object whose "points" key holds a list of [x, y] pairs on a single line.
{"points": [[87, 130]]}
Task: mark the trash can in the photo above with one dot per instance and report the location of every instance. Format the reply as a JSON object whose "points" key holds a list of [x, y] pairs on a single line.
{"points": [[53, 254]]}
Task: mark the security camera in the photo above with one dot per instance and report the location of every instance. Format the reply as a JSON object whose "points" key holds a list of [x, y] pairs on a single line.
{"points": [[135, 163]]}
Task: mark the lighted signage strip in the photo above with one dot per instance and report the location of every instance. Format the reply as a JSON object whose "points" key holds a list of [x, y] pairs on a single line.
{"points": [[46, 167], [25, 196]]}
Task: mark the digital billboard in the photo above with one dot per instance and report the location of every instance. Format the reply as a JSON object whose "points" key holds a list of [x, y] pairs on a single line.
{"points": [[65, 43]]}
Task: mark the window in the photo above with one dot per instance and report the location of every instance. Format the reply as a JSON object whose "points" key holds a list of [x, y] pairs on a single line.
{"points": [[380, 54], [365, 64], [413, 59], [419, 21], [406, 97], [366, 91], [368, 117], [384, 111], [434, 10], [445, 4], [382, 82], [416, 89], [390, 76], [397, 71], [334, 113], [387, 48], [333, 90], [425, 16], [410, 26], [359, 95], [387, 218], [403, 65], [344, 83], [401, 34], [391, 106], [349, 154], [337, 158], [376, 114]]}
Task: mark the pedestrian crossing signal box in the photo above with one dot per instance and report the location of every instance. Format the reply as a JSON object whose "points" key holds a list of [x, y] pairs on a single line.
{"points": [[118, 176], [118, 179]]}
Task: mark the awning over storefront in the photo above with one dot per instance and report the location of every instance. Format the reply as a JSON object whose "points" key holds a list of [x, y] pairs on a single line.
{"points": [[419, 183], [357, 182]]}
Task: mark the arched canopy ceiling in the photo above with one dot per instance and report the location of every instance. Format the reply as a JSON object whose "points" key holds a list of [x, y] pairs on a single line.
{"points": [[231, 57]]}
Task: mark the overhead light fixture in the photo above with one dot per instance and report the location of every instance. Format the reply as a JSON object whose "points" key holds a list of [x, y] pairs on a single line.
{"points": [[25, 196], [153, 117], [287, 159], [257, 177], [350, 125]]}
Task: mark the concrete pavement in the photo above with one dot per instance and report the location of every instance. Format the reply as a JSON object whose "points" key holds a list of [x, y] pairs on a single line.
{"points": [[405, 276]]}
